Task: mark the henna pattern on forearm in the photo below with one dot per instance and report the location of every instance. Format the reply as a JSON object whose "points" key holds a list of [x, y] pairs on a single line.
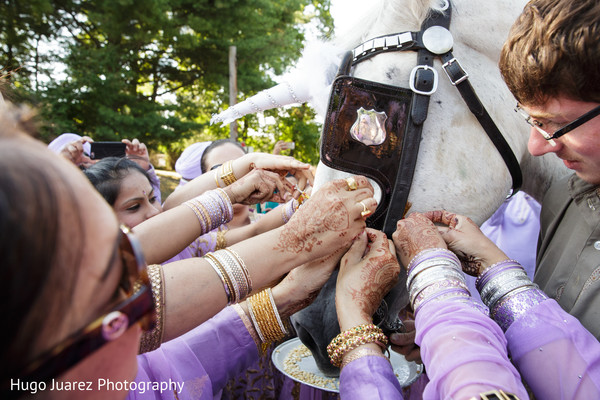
{"points": [[378, 276], [412, 236], [303, 232]]}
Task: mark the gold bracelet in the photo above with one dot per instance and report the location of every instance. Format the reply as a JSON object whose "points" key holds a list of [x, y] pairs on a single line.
{"points": [[225, 279], [221, 240], [265, 316], [152, 340], [217, 178], [227, 173], [360, 353], [352, 338]]}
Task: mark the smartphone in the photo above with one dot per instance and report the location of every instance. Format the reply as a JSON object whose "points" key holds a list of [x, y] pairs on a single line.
{"points": [[291, 145], [100, 150]]}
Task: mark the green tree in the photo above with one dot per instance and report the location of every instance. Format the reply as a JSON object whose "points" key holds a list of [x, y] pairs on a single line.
{"points": [[152, 69]]}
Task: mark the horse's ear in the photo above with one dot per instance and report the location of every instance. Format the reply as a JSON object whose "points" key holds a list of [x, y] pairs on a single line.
{"points": [[346, 64]]}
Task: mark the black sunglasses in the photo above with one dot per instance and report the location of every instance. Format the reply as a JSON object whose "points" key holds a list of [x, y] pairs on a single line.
{"points": [[137, 308]]}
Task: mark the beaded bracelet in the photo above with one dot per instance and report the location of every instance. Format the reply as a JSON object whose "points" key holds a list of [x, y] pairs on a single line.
{"points": [[357, 330], [356, 338]]}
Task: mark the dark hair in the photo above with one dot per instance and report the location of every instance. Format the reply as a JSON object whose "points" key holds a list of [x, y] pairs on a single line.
{"points": [[553, 49], [214, 145], [41, 242], [108, 173]]}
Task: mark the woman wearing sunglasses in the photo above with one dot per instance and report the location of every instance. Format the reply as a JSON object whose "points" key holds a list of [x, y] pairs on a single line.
{"points": [[77, 293]]}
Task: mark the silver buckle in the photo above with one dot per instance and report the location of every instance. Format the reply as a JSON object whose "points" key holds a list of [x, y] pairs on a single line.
{"points": [[459, 80], [413, 75]]}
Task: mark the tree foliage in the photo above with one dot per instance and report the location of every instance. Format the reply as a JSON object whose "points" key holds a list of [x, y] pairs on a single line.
{"points": [[153, 69]]}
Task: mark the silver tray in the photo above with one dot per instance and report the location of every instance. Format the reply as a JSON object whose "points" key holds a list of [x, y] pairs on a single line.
{"points": [[294, 360]]}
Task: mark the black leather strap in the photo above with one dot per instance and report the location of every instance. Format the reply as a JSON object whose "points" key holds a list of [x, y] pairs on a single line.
{"points": [[461, 80], [412, 140]]}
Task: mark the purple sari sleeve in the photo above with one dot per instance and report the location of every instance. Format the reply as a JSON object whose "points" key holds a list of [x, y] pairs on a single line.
{"points": [[548, 336], [369, 377], [200, 361], [464, 352]]}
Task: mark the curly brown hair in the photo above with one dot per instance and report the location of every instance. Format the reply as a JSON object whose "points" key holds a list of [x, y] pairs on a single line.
{"points": [[553, 49]]}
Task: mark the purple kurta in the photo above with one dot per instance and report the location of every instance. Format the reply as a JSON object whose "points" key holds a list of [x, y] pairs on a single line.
{"points": [[457, 343], [202, 359], [569, 354], [464, 351]]}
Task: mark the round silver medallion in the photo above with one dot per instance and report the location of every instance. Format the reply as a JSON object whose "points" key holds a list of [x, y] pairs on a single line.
{"points": [[438, 40]]}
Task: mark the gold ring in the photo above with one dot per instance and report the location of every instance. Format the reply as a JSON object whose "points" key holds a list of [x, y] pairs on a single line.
{"points": [[352, 185], [365, 212]]}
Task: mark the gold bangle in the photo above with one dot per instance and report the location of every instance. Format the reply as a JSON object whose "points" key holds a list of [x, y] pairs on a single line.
{"points": [[152, 340], [265, 317], [221, 240], [217, 178], [227, 173], [225, 279], [360, 353]]}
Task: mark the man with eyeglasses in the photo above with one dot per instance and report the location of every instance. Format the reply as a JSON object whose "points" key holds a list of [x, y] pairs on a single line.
{"points": [[551, 64]]}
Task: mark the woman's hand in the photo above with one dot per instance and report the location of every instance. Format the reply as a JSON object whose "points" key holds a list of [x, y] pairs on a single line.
{"points": [[404, 342], [367, 272], [475, 251], [137, 152], [74, 152], [328, 221], [414, 234], [275, 163], [302, 285], [259, 186]]}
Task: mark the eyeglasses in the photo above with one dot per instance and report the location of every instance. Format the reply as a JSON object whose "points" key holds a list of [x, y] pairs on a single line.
{"points": [[561, 131], [137, 308]]}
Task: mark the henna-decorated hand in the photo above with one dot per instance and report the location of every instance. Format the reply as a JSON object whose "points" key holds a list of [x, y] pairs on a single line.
{"points": [[328, 221], [367, 272], [259, 186], [275, 163], [463, 237], [74, 152], [301, 285], [137, 152], [404, 343], [414, 234]]}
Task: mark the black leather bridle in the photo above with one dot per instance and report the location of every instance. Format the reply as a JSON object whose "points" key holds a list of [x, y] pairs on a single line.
{"points": [[432, 41]]}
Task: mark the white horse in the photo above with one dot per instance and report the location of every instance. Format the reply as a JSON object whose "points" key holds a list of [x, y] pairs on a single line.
{"points": [[458, 168]]}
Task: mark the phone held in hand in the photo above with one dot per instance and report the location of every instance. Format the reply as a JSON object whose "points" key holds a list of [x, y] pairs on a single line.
{"points": [[100, 150]]}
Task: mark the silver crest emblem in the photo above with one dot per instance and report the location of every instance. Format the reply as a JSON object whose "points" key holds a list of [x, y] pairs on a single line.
{"points": [[369, 127]]}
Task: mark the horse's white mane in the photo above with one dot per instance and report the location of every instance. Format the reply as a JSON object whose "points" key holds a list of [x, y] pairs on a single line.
{"points": [[386, 15]]}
